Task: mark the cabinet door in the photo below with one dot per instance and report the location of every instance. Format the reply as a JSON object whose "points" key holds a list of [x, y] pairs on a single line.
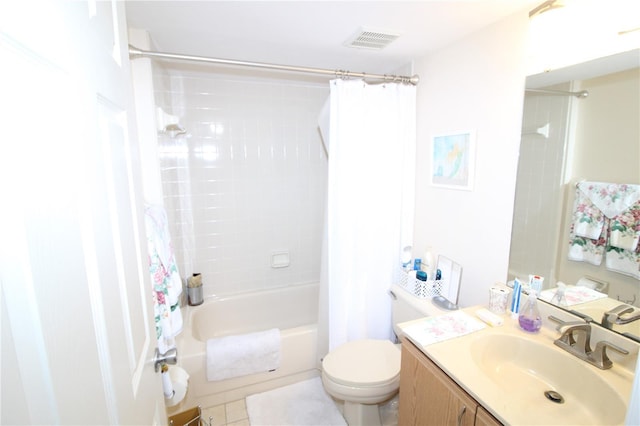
{"points": [[484, 418], [428, 396]]}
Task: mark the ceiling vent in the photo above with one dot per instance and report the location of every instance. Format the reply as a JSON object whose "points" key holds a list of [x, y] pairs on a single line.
{"points": [[370, 39]]}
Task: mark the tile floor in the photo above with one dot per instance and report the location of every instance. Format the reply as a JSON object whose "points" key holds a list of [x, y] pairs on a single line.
{"points": [[230, 414]]}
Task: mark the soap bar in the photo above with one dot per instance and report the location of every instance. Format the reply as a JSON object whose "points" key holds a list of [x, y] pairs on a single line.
{"points": [[489, 317]]}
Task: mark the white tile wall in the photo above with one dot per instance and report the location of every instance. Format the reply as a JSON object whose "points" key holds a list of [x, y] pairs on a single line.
{"points": [[538, 205], [248, 181]]}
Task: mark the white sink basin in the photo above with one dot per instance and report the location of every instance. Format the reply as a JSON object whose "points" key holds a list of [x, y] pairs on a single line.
{"points": [[525, 369]]}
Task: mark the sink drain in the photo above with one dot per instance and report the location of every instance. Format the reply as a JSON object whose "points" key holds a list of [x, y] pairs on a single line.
{"points": [[554, 396]]}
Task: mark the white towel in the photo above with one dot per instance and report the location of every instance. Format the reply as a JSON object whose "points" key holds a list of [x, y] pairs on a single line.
{"points": [[234, 356]]}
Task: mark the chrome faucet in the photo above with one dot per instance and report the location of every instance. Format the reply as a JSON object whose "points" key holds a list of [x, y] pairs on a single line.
{"points": [[576, 339], [618, 316]]}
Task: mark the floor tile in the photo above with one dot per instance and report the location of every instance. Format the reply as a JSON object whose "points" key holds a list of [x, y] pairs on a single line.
{"points": [[236, 410], [218, 413]]}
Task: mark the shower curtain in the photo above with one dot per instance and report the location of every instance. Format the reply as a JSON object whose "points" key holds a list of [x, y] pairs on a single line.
{"points": [[370, 204]]}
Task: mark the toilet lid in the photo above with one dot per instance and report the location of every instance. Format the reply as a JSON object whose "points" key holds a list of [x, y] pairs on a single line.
{"points": [[363, 363]]}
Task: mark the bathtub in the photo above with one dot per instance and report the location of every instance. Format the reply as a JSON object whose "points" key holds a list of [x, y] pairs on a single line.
{"points": [[292, 309]]}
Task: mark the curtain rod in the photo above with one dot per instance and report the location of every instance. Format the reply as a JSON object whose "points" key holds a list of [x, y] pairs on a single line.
{"points": [[581, 94], [134, 53]]}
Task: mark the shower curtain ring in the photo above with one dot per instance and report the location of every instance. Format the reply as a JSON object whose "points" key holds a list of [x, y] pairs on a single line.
{"points": [[342, 74]]}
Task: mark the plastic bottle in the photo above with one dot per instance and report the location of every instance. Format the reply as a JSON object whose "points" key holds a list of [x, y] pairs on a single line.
{"points": [[558, 298], [429, 263], [529, 318], [406, 258]]}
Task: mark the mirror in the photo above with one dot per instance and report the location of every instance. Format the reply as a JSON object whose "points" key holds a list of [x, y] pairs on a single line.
{"points": [[568, 138]]}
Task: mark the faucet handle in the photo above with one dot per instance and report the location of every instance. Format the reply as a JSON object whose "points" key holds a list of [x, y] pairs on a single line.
{"points": [[576, 334], [563, 324], [599, 354], [620, 309]]}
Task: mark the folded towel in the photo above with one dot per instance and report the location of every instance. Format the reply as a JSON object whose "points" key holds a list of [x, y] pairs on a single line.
{"points": [[574, 295], [588, 219], [442, 327], [610, 198], [625, 262], [235, 356], [625, 228]]}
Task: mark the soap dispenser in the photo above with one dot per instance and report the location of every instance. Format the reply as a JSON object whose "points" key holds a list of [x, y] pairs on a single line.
{"points": [[558, 298], [529, 318]]}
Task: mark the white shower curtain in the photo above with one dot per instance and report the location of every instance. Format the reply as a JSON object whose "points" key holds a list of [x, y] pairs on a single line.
{"points": [[370, 204]]}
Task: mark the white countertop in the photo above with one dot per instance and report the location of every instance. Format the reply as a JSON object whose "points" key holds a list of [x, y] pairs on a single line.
{"points": [[455, 357]]}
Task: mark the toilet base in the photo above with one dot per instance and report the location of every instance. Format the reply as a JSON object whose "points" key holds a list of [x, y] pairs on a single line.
{"points": [[357, 414]]}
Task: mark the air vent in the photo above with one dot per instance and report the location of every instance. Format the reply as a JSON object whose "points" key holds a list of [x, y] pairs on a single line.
{"points": [[370, 39]]}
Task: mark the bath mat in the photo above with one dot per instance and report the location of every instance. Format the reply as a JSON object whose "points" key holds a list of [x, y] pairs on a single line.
{"points": [[301, 404]]}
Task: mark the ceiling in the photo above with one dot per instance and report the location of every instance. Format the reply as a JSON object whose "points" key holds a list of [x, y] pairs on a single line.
{"points": [[312, 33]]}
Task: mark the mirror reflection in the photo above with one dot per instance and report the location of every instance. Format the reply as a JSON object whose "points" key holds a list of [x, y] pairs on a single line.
{"points": [[579, 155]]}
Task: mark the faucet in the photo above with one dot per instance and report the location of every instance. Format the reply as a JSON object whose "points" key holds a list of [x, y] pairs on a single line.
{"points": [[615, 316], [575, 338]]}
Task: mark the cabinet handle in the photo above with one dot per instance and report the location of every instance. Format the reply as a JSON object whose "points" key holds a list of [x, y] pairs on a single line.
{"points": [[462, 411]]}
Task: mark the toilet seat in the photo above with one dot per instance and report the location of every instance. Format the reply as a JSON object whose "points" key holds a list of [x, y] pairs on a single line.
{"points": [[363, 364]]}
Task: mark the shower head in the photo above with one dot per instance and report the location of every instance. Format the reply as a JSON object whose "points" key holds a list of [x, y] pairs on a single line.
{"points": [[174, 130]]}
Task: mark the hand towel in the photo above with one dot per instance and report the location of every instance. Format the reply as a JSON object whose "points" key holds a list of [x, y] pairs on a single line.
{"points": [[611, 198], [606, 222], [625, 228], [165, 278], [240, 355], [626, 262], [588, 219]]}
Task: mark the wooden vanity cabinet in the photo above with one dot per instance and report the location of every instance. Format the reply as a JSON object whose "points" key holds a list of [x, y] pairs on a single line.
{"points": [[429, 397]]}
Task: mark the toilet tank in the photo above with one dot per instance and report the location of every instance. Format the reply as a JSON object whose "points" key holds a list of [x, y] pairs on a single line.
{"points": [[406, 307]]}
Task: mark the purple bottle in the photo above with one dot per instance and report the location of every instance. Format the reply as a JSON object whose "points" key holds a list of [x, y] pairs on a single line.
{"points": [[529, 318]]}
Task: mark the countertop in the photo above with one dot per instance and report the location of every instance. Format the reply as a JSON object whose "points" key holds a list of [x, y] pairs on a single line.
{"points": [[506, 402]]}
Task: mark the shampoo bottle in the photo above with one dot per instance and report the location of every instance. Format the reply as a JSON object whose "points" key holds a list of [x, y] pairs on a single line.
{"points": [[529, 317]]}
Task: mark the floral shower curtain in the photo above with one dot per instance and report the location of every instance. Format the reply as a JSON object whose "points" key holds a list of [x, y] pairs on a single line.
{"points": [[370, 204]]}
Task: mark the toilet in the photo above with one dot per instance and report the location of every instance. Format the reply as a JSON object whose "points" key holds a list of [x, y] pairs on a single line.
{"points": [[365, 373]]}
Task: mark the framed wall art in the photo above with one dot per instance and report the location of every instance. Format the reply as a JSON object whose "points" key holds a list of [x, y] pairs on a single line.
{"points": [[452, 160]]}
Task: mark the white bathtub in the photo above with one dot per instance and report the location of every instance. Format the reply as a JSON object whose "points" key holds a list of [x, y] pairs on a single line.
{"points": [[292, 309]]}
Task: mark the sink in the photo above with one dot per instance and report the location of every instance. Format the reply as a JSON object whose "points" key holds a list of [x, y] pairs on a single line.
{"points": [[525, 369]]}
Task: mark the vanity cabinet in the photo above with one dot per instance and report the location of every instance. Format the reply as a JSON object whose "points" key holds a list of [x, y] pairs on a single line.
{"points": [[429, 397]]}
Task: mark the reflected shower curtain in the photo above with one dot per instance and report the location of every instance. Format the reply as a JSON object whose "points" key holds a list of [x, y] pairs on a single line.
{"points": [[370, 204]]}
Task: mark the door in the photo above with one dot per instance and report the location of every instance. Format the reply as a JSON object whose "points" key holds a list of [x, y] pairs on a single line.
{"points": [[76, 326]]}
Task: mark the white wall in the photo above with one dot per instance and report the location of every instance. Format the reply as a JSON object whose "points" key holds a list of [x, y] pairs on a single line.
{"points": [[474, 84]]}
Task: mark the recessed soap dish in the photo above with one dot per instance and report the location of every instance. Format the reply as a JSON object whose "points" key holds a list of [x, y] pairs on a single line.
{"points": [[280, 259]]}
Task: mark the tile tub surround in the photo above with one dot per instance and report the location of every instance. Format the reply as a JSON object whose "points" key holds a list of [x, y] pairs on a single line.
{"points": [[248, 181]]}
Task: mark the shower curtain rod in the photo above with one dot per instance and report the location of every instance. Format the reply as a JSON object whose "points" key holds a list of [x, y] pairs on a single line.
{"points": [[134, 53], [581, 94]]}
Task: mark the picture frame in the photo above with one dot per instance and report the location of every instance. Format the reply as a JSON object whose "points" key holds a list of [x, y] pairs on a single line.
{"points": [[453, 160]]}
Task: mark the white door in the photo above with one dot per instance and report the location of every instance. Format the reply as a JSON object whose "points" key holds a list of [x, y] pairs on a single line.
{"points": [[77, 336]]}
